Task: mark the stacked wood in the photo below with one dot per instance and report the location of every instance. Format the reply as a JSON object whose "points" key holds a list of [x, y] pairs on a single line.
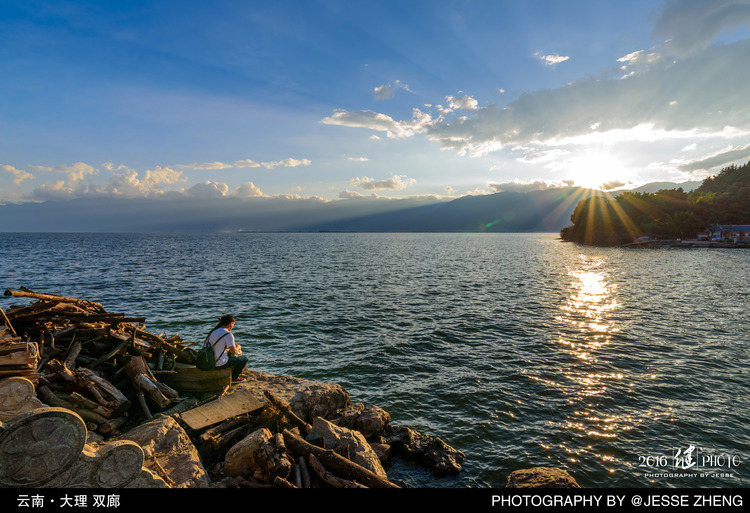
{"points": [[84, 358], [17, 357]]}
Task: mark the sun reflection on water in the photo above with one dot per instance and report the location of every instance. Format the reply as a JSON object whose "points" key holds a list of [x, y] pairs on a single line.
{"points": [[588, 324]]}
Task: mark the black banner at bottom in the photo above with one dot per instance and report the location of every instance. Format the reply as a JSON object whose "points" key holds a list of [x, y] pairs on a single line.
{"points": [[469, 499]]}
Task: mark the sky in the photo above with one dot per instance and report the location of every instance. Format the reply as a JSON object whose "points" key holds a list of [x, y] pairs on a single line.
{"points": [[334, 100]]}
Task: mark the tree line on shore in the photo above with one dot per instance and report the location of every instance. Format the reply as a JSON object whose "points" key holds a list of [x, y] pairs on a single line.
{"points": [[607, 220]]}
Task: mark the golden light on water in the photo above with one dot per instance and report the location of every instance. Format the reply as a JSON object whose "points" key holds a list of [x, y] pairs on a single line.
{"points": [[588, 323]]}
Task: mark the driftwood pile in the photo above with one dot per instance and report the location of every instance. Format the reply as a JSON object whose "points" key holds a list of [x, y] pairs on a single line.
{"points": [[91, 361], [286, 459]]}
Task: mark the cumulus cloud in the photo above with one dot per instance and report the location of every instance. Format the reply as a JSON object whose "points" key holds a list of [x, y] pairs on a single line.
{"points": [[464, 102], [18, 174], [208, 189], [76, 172], [249, 190], [396, 182], [54, 191], [130, 184], [358, 159]]}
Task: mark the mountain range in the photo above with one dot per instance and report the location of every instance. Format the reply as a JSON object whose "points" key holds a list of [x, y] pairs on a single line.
{"points": [[546, 210]]}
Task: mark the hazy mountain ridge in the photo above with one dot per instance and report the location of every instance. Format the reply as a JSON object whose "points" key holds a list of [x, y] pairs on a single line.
{"points": [[536, 211]]}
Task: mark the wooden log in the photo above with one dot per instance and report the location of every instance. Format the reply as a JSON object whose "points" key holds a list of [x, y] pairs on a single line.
{"points": [[187, 355], [51, 399], [119, 347], [282, 483], [94, 406], [139, 375], [54, 298], [142, 403], [16, 314], [279, 440], [73, 350], [112, 425], [118, 401], [304, 472], [7, 322], [243, 482], [329, 478], [287, 411], [351, 470]]}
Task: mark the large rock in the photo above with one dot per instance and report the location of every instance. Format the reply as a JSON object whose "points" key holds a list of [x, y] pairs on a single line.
{"points": [[428, 450], [337, 437], [540, 477], [169, 452], [307, 399], [371, 420], [256, 457]]}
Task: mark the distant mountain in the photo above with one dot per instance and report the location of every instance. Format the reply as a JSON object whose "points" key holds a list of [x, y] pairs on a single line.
{"points": [[539, 211], [659, 186]]}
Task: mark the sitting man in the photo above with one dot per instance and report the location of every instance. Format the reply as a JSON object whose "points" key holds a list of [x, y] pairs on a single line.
{"points": [[227, 352]]}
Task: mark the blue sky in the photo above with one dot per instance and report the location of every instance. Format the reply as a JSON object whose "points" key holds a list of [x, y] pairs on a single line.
{"points": [[335, 100]]}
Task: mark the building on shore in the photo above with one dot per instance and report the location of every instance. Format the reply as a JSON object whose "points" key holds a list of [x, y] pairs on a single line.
{"points": [[726, 232]]}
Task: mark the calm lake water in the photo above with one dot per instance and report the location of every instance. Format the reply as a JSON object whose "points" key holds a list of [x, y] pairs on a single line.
{"points": [[518, 349]]}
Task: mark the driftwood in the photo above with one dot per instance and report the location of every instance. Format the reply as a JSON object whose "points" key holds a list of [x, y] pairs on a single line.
{"points": [[283, 483], [54, 298], [329, 478], [7, 322], [304, 473], [350, 470], [287, 411], [144, 382]]}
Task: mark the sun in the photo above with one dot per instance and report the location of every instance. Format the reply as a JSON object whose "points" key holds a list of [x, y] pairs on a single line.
{"points": [[596, 170]]}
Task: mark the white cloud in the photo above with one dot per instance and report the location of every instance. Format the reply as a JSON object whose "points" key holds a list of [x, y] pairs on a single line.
{"points": [[386, 91], [464, 102], [208, 189], [381, 122], [205, 165], [54, 191], [18, 174], [286, 163], [358, 159], [246, 163], [396, 182], [535, 185], [76, 172], [249, 190], [551, 60], [710, 90], [128, 184]]}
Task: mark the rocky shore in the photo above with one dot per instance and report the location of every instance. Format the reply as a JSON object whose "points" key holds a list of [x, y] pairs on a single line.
{"points": [[91, 399]]}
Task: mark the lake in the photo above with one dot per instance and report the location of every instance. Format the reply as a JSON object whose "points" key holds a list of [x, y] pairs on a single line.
{"points": [[625, 367]]}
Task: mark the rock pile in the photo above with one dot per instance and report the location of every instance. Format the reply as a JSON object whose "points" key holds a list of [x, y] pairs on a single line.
{"points": [[103, 390]]}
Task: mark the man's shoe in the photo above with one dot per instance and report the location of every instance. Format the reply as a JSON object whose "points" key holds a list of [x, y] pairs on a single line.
{"points": [[239, 380]]}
